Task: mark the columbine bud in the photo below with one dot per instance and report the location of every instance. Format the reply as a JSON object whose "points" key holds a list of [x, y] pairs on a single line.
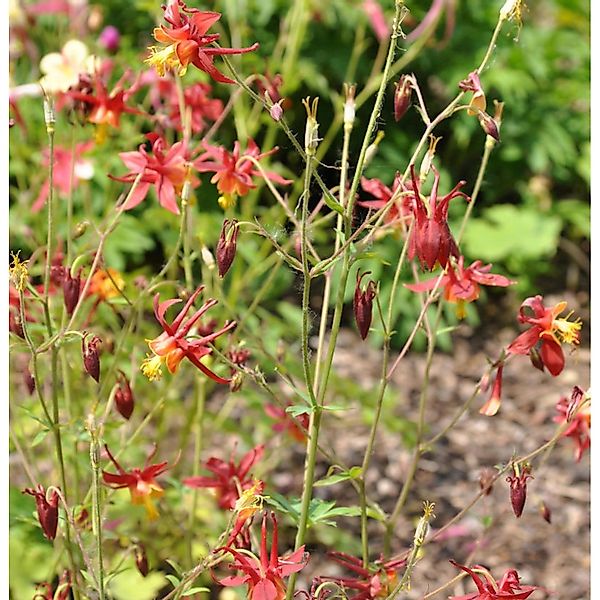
{"points": [[91, 359], [473, 84], [124, 400], [28, 380], [363, 304], [71, 289], [47, 510], [546, 512], [486, 480], [80, 229], [577, 396], [536, 359], [490, 408], [372, 148], [489, 125], [311, 134], [141, 559], [227, 245], [349, 105], [402, 96], [110, 38], [518, 487]]}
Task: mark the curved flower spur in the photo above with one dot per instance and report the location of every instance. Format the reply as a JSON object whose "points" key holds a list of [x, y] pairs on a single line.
{"points": [[172, 346]]}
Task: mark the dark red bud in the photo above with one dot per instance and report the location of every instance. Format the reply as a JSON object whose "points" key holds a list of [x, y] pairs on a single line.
{"points": [[402, 96], [489, 125], [363, 304], [91, 358], [546, 512], [574, 402], [141, 560], [124, 400], [47, 510], [518, 488], [71, 290], [227, 245], [28, 380]]}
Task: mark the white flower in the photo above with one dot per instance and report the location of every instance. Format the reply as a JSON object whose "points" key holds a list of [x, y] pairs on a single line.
{"points": [[61, 71]]}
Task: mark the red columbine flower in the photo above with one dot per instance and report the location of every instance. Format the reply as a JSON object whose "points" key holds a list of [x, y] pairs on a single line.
{"points": [[47, 509], [69, 169], [91, 357], [579, 421], [201, 105], [462, 285], [229, 479], [44, 590], [490, 589], [172, 346], [264, 575], [295, 426], [187, 41], [106, 107], [166, 169], [233, 173], [518, 487], [431, 240], [403, 205], [141, 482], [375, 581], [547, 329]]}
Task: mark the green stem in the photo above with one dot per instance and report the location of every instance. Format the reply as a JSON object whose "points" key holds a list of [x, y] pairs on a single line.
{"points": [[96, 502]]}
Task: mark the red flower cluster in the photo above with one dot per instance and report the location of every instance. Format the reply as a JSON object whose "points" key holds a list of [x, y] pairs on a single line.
{"points": [[490, 589], [264, 574], [229, 479]]}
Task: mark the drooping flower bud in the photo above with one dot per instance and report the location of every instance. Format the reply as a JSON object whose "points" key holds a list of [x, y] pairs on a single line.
{"points": [[28, 380], [536, 359], [489, 125], [545, 512], [373, 148], [47, 509], [71, 289], [473, 84], [486, 480], [428, 158], [227, 245], [363, 304], [91, 358], [141, 559], [110, 38], [518, 487], [490, 408], [402, 96], [124, 400]]}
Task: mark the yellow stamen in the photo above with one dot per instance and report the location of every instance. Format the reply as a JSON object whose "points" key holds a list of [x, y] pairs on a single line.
{"points": [[163, 59], [227, 201], [151, 367], [567, 331], [18, 272]]}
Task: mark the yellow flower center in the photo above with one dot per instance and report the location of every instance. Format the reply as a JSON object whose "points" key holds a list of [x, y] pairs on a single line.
{"points": [[227, 201], [151, 367], [163, 59], [567, 331]]}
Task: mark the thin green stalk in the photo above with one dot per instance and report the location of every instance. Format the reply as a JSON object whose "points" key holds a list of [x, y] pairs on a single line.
{"points": [[96, 502], [197, 419]]}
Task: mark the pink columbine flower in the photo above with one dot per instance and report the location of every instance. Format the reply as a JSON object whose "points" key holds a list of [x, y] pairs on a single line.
{"points": [[547, 329], [490, 589], [461, 285], [187, 42], [229, 479], [264, 575], [376, 17], [166, 169], [403, 204], [233, 172], [173, 345], [64, 162]]}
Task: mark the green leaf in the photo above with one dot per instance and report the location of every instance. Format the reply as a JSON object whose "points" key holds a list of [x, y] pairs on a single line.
{"points": [[352, 473], [195, 590], [299, 409]]}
